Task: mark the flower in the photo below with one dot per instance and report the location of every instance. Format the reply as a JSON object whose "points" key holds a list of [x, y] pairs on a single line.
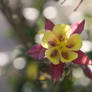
{"points": [[32, 70], [61, 43]]}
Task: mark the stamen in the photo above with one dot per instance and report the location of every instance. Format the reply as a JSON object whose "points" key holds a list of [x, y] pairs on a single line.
{"points": [[61, 38]]}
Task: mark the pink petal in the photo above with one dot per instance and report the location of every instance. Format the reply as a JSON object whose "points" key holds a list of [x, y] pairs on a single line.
{"points": [[78, 27], [82, 59], [88, 72], [56, 70], [49, 24], [37, 51]]}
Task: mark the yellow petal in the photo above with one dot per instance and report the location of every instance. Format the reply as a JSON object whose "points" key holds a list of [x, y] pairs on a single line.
{"points": [[68, 56], [52, 55], [48, 39], [62, 31], [74, 42]]}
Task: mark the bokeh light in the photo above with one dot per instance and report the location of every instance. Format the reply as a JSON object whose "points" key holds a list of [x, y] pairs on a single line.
{"points": [[19, 63], [87, 46], [30, 13], [24, 28], [26, 87], [4, 59], [50, 12], [38, 38], [80, 78]]}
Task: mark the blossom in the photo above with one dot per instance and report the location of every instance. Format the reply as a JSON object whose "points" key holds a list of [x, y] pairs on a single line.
{"points": [[32, 70], [61, 44]]}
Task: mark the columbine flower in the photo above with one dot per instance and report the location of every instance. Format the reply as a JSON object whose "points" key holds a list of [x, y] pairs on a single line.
{"points": [[61, 43]]}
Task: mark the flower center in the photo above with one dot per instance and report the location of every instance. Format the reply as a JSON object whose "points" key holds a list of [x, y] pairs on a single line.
{"points": [[61, 38], [54, 53]]}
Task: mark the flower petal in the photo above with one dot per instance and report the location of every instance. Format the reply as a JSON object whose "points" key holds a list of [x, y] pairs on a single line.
{"points": [[74, 42], [77, 27], [82, 59], [56, 70], [49, 24], [37, 51], [68, 56], [88, 71], [48, 37], [62, 30], [52, 55]]}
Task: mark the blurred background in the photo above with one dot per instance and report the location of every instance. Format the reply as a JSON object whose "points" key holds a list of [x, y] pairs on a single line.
{"points": [[21, 26]]}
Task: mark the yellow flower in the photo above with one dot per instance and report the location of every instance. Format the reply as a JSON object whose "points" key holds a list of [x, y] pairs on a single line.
{"points": [[32, 70], [60, 45]]}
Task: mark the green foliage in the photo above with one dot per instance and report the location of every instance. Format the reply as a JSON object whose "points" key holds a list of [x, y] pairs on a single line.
{"points": [[68, 84], [90, 55], [39, 4], [41, 24], [11, 33]]}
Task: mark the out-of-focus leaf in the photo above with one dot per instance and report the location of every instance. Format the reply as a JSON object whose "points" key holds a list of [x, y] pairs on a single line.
{"points": [[88, 17], [41, 24], [90, 55], [39, 4], [68, 84], [11, 33]]}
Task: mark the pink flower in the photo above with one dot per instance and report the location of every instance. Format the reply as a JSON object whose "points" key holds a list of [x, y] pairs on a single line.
{"points": [[38, 51]]}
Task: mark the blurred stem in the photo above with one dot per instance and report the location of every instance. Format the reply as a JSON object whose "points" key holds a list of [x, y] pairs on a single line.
{"points": [[78, 5], [15, 19], [39, 4]]}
